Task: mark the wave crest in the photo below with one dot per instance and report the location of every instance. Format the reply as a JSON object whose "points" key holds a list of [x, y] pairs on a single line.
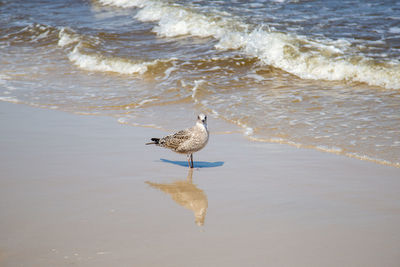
{"points": [[318, 61], [301, 56], [99, 62], [33, 33], [123, 3]]}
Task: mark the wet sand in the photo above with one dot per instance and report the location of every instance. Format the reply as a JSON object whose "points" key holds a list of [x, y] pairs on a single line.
{"points": [[86, 191]]}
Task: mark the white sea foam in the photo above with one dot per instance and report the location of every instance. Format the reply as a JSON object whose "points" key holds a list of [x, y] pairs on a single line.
{"points": [[249, 131], [151, 12], [197, 84], [169, 71], [4, 78], [283, 51], [9, 99], [123, 3], [145, 101], [376, 160], [66, 39], [93, 62], [255, 77], [394, 30], [301, 56], [36, 33], [335, 150], [174, 21], [5, 84], [42, 35]]}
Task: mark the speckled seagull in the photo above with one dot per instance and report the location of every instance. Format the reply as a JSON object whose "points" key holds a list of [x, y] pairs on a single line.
{"points": [[186, 141]]}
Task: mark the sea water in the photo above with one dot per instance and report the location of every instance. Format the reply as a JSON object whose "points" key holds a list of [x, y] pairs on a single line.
{"points": [[317, 74]]}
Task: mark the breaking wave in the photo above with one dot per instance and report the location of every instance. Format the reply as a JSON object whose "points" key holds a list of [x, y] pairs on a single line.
{"points": [[99, 62], [33, 33], [298, 55]]}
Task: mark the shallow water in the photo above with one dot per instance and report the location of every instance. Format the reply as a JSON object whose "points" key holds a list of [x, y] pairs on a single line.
{"points": [[279, 70]]}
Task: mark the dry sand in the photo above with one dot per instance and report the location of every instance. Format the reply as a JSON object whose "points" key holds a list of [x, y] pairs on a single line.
{"points": [[85, 191]]}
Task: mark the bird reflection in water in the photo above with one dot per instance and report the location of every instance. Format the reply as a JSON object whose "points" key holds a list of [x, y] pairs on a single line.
{"points": [[186, 194]]}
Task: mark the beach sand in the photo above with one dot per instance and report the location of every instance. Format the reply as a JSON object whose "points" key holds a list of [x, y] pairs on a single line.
{"points": [[85, 191]]}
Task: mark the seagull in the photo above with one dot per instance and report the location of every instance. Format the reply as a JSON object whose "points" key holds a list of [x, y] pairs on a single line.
{"points": [[186, 141]]}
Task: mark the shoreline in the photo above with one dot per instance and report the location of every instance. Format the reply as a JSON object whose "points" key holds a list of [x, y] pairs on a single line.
{"points": [[223, 127], [85, 190]]}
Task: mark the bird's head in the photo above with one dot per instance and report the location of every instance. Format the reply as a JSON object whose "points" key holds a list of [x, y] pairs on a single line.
{"points": [[202, 118]]}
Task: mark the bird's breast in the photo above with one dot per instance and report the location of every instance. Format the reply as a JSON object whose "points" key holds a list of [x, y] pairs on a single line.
{"points": [[197, 141]]}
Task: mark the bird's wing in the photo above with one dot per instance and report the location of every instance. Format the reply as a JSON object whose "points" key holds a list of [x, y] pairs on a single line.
{"points": [[173, 141]]}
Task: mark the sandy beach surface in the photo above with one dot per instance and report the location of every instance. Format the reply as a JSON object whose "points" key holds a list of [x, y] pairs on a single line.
{"points": [[85, 191]]}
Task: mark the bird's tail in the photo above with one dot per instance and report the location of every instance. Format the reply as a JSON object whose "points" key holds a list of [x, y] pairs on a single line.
{"points": [[156, 141]]}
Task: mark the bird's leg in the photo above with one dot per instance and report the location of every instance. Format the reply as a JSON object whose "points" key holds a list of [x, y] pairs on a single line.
{"points": [[190, 176], [191, 161]]}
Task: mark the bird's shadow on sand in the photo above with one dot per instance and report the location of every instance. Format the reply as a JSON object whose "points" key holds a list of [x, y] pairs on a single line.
{"points": [[197, 164]]}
